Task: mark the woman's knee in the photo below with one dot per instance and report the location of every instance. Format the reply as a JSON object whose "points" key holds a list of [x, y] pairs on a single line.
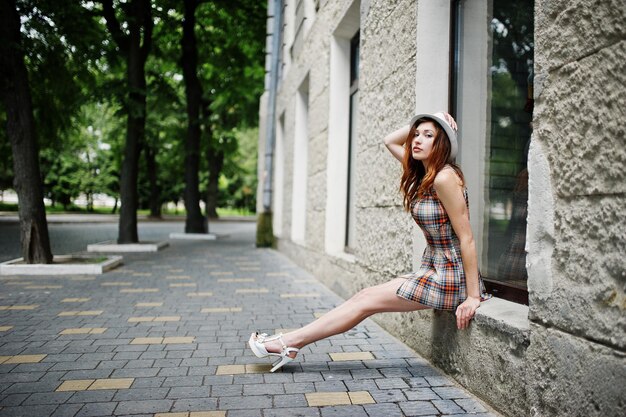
{"points": [[366, 299]]}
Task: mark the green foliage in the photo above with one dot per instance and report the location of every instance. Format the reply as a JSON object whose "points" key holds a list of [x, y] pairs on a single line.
{"points": [[79, 97], [238, 180]]}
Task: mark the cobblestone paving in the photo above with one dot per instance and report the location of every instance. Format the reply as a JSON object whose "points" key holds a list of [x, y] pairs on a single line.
{"points": [[165, 335]]}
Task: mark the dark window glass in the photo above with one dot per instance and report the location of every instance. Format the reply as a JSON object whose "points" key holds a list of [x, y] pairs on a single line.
{"points": [[506, 126]]}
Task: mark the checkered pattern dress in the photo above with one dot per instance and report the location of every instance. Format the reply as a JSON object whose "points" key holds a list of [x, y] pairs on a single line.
{"points": [[440, 281]]}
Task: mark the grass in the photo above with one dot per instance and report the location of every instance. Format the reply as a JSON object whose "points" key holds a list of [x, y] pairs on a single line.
{"points": [[58, 209]]}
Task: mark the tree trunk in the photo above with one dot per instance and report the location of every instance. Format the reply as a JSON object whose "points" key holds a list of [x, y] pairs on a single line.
{"points": [[155, 191], [216, 163], [195, 222], [135, 128], [140, 25], [21, 132]]}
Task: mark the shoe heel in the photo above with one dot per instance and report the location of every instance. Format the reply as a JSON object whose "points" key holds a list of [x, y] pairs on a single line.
{"points": [[284, 360]]}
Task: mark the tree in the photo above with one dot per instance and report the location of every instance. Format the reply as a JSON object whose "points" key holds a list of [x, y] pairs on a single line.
{"points": [[194, 223], [233, 38], [17, 100], [134, 45]]}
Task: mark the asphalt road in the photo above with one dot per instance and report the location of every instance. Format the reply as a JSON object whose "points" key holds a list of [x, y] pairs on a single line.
{"points": [[72, 233]]}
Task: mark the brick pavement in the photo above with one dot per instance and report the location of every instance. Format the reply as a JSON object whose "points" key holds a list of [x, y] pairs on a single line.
{"points": [[165, 335]]}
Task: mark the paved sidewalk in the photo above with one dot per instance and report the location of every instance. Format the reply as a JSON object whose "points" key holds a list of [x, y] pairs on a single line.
{"points": [[166, 335]]}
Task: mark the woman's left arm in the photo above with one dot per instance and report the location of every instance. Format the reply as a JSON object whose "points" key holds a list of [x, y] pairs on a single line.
{"points": [[450, 192]]}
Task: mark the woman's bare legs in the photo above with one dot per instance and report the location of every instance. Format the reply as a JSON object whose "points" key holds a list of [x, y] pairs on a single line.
{"points": [[378, 299]]}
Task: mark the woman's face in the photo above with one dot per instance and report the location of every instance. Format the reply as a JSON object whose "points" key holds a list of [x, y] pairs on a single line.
{"points": [[422, 144]]}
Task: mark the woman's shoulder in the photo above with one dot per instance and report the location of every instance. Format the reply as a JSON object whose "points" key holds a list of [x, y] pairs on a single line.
{"points": [[447, 177]]}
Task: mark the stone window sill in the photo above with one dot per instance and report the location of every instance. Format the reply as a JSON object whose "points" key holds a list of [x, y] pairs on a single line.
{"points": [[348, 257], [504, 316]]}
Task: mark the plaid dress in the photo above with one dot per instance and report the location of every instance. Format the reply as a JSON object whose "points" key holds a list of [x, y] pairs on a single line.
{"points": [[440, 281]]}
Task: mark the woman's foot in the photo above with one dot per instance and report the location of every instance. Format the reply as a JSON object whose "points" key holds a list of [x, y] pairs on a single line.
{"points": [[261, 343], [274, 344]]}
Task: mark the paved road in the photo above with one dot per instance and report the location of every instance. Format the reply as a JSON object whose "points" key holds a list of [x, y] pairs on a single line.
{"points": [[71, 234], [165, 333]]}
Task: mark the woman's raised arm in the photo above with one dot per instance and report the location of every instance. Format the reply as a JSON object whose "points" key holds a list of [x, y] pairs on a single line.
{"points": [[395, 141]]}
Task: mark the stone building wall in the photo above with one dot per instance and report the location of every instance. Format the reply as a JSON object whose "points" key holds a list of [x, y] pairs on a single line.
{"points": [[565, 355], [577, 239]]}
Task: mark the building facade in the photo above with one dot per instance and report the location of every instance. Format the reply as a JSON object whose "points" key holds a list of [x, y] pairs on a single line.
{"points": [[538, 91]]}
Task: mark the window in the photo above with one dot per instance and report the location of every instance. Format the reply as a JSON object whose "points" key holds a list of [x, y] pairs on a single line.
{"points": [[342, 128], [304, 13], [354, 113], [279, 168], [493, 100], [300, 163]]}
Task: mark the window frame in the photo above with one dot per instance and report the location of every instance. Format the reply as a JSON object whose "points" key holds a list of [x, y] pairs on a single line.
{"points": [[498, 288]]}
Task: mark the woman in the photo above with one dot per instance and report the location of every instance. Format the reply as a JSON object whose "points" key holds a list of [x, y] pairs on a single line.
{"points": [[435, 194]]}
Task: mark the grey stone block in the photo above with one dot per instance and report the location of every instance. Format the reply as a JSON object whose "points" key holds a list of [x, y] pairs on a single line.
{"points": [[202, 370], [194, 404], [148, 406], [226, 390], [448, 407], [71, 366], [308, 377], [32, 367], [388, 395], [388, 383], [99, 396], [64, 357], [417, 382], [366, 374], [148, 382], [292, 412], [418, 394], [330, 386], [135, 373], [30, 410], [418, 408], [173, 372], [218, 380], [67, 410], [188, 392], [127, 356], [260, 389], [450, 392], [290, 400], [299, 387], [139, 363], [88, 374], [13, 399], [47, 398], [183, 381], [97, 409], [31, 387], [249, 402], [193, 362], [343, 411], [383, 410], [167, 363], [248, 379], [20, 377], [141, 394], [471, 405], [244, 413]]}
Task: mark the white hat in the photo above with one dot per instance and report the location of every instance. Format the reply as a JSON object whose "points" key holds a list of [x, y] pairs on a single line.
{"points": [[441, 120]]}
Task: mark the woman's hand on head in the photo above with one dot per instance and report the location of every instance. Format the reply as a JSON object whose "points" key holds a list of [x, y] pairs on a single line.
{"points": [[465, 312], [450, 120]]}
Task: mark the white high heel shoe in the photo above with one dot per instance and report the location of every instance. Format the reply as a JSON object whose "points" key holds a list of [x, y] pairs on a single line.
{"points": [[259, 350]]}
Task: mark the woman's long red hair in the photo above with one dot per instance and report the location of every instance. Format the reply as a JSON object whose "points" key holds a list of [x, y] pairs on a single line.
{"points": [[416, 180]]}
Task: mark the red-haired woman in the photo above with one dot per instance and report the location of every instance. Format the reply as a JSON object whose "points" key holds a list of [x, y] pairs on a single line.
{"points": [[448, 279]]}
